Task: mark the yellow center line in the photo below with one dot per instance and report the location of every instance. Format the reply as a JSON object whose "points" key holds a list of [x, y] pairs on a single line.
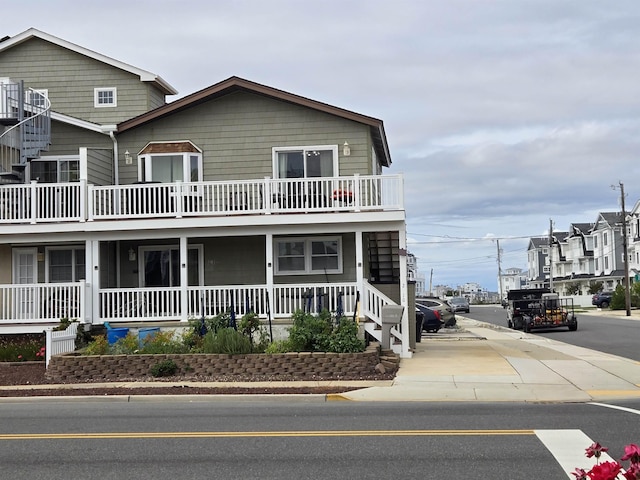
{"points": [[311, 433]]}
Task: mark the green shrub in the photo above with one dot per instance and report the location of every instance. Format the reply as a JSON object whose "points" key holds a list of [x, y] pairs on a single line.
{"points": [[99, 346], [21, 348], [163, 342], [166, 368], [126, 345], [278, 346], [309, 333], [617, 299], [344, 339], [226, 340]]}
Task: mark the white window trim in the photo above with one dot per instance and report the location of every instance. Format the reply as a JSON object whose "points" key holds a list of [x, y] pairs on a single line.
{"points": [[28, 94], [58, 159], [96, 91], [276, 150], [73, 260], [307, 255], [151, 248], [145, 160]]}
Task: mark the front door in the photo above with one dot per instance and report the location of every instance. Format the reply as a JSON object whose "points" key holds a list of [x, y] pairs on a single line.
{"points": [[25, 269]]}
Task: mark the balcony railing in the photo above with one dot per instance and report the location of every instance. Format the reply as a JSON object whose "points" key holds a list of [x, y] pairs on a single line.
{"points": [[79, 202]]}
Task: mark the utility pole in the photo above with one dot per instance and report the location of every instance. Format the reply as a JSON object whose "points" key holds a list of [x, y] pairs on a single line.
{"points": [[627, 295], [499, 271], [431, 283], [550, 255]]}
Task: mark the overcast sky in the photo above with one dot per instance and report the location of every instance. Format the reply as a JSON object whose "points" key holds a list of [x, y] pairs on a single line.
{"points": [[501, 115]]}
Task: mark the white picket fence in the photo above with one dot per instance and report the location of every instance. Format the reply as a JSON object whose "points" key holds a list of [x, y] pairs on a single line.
{"points": [[61, 341]]}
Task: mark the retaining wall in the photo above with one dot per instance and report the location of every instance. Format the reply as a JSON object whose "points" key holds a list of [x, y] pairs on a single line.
{"points": [[256, 367]]}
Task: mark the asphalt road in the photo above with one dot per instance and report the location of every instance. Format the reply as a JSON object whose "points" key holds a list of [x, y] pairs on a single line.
{"points": [[614, 335], [288, 439]]}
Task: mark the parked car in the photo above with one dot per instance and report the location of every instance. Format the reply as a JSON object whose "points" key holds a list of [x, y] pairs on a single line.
{"points": [[447, 315], [602, 299], [431, 321], [459, 304]]}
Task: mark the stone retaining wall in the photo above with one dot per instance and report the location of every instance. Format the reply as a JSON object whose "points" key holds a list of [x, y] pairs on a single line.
{"points": [[256, 367]]}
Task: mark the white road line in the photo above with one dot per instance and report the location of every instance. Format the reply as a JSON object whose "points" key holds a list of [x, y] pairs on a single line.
{"points": [[616, 407], [568, 447]]}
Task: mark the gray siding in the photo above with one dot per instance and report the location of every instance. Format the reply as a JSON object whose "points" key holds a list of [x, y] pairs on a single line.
{"points": [[67, 139], [71, 78], [238, 131], [100, 166]]}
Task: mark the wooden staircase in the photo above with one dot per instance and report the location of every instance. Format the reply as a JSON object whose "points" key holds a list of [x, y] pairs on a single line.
{"points": [[384, 260]]}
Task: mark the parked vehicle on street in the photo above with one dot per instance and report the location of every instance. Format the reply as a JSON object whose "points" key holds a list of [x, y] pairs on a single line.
{"points": [[602, 299], [459, 304], [447, 315], [522, 304], [539, 308], [431, 321]]}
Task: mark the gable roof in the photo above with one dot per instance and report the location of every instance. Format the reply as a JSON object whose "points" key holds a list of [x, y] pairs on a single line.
{"points": [[612, 219], [235, 84], [145, 76]]}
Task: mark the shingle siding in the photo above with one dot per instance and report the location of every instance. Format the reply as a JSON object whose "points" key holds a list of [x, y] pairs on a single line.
{"points": [[71, 78], [237, 134]]}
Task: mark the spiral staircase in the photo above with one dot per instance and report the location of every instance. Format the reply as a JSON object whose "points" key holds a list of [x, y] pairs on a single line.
{"points": [[25, 128]]}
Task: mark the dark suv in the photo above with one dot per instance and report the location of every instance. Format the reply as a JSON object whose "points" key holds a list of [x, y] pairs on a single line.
{"points": [[602, 299]]}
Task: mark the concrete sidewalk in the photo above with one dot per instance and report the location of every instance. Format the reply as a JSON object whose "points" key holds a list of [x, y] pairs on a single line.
{"points": [[475, 362], [482, 362]]}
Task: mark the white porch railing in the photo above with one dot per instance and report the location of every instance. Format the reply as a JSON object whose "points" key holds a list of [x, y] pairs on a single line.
{"points": [[61, 341], [41, 302], [160, 303], [42, 202], [372, 304]]}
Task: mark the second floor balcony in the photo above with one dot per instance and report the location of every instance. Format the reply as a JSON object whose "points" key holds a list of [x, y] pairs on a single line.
{"points": [[38, 203]]}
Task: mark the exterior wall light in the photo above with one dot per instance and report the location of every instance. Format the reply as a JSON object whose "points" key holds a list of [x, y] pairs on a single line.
{"points": [[346, 149]]}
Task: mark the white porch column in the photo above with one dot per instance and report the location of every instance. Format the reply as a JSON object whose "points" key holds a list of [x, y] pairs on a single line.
{"points": [[184, 280], [404, 291], [92, 266], [359, 268], [268, 244]]}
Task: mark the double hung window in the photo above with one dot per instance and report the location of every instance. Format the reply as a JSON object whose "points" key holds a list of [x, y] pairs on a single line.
{"points": [[308, 255], [65, 264]]}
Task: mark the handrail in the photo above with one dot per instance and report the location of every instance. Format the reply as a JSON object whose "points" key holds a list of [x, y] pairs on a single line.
{"points": [[13, 150]]}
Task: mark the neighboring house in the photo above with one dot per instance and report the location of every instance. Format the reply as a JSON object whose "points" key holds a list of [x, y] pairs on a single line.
{"points": [[512, 279], [589, 252], [239, 197], [608, 249], [538, 262], [633, 239]]}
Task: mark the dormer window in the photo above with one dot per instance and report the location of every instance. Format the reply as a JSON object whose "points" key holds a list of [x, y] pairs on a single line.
{"points": [[105, 97]]}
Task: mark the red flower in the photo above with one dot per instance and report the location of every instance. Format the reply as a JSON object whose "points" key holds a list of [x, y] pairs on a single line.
{"points": [[581, 474], [595, 450], [633, 472], [631, 452], [605, 471]]}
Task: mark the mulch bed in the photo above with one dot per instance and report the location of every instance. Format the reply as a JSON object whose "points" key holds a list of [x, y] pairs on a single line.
{"points": [[33, 373]]}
